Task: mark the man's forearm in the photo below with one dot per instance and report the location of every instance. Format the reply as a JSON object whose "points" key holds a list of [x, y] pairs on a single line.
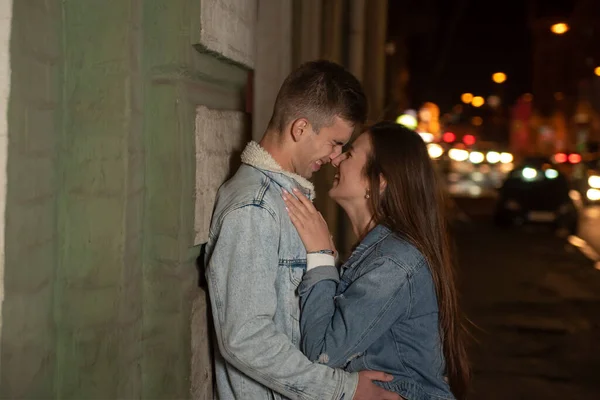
{"points": [[268, 357]]}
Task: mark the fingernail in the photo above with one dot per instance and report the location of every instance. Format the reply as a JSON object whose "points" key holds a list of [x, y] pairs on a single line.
{"points": [[284, 191], [295, 190]]}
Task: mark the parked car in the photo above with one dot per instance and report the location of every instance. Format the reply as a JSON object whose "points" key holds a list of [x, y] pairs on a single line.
{"points": [[536, 192]]}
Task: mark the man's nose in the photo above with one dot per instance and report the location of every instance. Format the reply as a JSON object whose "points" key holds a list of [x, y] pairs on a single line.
{"points": [[337, 151], [337, 160]]}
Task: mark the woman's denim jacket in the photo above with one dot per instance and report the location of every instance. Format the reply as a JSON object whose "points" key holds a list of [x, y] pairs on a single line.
{"points": [[255, 261], [381, 315]]}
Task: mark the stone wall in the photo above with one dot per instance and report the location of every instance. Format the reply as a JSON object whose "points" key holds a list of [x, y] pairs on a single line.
{"points": [[100, 276]]}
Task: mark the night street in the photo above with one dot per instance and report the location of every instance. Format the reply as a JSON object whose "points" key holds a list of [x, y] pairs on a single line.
{"points": [[535, 302]]}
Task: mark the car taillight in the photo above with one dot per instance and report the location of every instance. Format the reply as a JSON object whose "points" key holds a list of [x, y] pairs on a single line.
{"points": [[560, 158], [574, 158]]}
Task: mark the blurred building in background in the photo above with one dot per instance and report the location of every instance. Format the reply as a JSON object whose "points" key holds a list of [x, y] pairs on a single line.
{"points": [[566, 78]]}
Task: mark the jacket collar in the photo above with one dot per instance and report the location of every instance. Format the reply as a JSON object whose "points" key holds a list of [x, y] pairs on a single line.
{"points": [[375, 235], [257, 157]]}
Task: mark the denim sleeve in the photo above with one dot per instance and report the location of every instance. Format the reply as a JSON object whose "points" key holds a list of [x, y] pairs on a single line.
{"points": [[336, 328], [241, 275]]}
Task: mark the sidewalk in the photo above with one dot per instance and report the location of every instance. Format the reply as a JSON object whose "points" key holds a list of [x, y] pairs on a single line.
{"points": [[536, 303]]}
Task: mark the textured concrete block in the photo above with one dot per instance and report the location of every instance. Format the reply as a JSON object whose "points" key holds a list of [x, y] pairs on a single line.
{"points": [[228, 27], [220, 136]]}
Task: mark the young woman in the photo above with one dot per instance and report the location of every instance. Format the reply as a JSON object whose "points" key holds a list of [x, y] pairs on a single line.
{"points": [[394, 308]]}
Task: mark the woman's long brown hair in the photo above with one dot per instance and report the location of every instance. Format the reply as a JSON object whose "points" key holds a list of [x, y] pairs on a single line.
{"points": [[412, 206]]}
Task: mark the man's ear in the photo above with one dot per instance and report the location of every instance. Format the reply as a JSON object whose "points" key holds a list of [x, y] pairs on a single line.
{"points": [[299, 129], [382, 183]]}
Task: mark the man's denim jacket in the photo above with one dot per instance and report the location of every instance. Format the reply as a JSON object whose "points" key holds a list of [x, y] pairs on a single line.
{"points": [[255, 261], [381, 315]]}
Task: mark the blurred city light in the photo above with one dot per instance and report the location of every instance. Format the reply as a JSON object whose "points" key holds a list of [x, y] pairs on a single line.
{"points": [[477, 176], [594, 181], [593, 194], [469, 140], [499, 77], [529, 173], [506, 168], [426, 136], [560, 158], [448, 137], [466, 98], [477, 121], [476, 157], [597, 71], [477, 101], [435, 150], [407, 120], [493, 157], [551, 173], [506, 158], [559, 28], [390, 48], [528, 97], [574, 158], [494, 101], [558, 96], [458, 154]]}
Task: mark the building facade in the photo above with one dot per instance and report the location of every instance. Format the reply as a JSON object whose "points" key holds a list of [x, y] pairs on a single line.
{"points": [[121, 120]]}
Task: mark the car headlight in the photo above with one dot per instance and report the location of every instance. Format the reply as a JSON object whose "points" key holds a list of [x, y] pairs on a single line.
{"points": [[593, 194], [529, 174], [551, 173], [594, 181]]}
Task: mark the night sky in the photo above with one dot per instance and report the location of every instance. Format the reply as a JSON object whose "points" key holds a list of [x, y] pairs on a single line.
{"points": [[460, 50]]}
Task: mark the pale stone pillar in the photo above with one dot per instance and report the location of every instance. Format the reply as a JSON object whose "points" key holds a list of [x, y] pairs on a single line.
{"points": [[5, 27]]}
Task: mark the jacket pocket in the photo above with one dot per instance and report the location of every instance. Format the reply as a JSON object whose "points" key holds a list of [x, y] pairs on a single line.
{"points": [[296, 269]]}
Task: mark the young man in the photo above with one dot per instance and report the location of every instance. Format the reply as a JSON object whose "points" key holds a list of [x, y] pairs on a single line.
{"points": [[255, 259]]}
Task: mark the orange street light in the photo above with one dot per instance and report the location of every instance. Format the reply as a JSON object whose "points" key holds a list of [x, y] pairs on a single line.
{"points": [[559, 28], [466, 97], [499, 77], [477, 101]]}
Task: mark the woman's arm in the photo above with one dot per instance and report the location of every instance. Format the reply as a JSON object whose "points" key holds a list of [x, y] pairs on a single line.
{"points": [[334, 330]]}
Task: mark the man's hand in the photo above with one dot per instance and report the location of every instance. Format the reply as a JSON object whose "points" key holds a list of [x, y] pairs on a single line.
{"points": [[367, 390]]}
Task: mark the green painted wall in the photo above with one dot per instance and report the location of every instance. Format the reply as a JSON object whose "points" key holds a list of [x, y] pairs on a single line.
{"points": [[99, 274], [28, 347]]}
